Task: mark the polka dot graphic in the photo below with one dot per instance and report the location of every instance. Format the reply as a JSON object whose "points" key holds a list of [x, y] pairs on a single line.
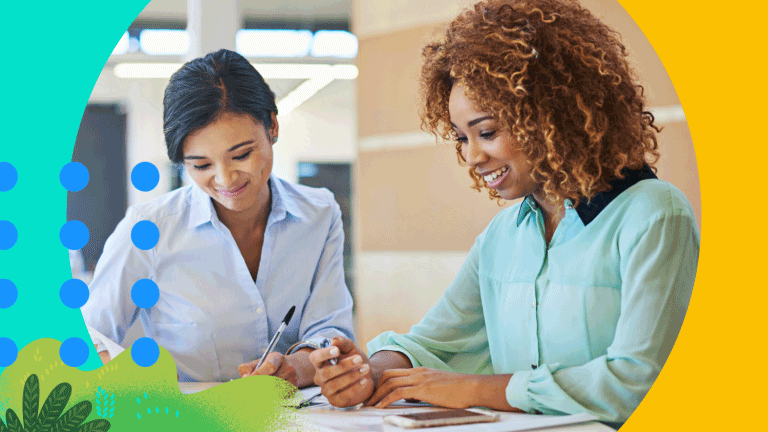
{"points": [[145, 352], [8, 235], [145, 235], [74, 176], [8, 176], [8, 293], [145, 293], [74, 293], [74, 235], [73, 352], [145, 176], [8, 352]]}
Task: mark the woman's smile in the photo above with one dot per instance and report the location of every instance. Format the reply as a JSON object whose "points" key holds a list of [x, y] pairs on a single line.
{"points": [[232, 193]]}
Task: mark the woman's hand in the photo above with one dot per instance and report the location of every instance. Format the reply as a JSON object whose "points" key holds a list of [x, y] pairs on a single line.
{"points": [[347, 383], [447, 389], [275, 364]]}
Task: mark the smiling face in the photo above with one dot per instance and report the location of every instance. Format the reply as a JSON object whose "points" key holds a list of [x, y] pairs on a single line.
{"points": [[489, 150], [231, 160]]}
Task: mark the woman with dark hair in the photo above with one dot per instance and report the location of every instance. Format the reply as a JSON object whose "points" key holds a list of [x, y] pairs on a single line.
{"points": [[570, 300], [236, 250]]}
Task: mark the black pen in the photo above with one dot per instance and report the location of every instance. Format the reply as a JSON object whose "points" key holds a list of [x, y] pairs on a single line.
{"points": [[277, 335]]}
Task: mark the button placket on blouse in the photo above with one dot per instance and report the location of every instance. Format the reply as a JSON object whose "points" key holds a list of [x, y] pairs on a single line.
{"points": [[537, 216]]}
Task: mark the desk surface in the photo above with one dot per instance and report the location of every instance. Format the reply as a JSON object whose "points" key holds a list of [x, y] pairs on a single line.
{"points": [[325, 418]]}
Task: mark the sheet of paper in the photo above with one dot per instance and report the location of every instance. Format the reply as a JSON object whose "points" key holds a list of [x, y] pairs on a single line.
{"points": [[112, 347]]}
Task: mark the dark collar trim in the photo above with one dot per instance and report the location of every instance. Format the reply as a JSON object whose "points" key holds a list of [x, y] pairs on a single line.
{"points": [[588, 211]]}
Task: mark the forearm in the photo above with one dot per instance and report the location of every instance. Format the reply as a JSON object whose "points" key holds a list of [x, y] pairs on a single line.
{"points": [[490, 391], [305, 372], [383, 360], [104, 356]]}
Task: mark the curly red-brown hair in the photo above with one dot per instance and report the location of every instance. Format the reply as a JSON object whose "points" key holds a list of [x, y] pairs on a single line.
{"points": [[557, 79]]}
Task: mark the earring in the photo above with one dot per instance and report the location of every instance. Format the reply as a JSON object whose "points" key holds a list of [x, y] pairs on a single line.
{"points": [[274, 140]]}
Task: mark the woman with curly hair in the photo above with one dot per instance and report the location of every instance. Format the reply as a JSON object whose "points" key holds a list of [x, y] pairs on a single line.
{"points": [[569, 301]]}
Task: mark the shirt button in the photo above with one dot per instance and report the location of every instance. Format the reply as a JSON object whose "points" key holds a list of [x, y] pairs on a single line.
{"points": [[533, 305], [259, 311]]}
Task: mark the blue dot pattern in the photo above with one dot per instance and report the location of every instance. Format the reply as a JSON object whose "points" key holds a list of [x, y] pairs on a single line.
{"points": [[145, 352], [8, 293], [8, 176], [74, 293], [8, 352], [145, 176], [74, 235], [74, 352], [145, 235], [145, 293], [74, 176], [8, 235]]}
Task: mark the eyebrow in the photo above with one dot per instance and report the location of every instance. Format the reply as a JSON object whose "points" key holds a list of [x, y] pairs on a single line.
{"points": [[475, 121], [235, 147]]}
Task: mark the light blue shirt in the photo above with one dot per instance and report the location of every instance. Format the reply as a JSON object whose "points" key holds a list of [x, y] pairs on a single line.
{"points": [[585, 323], [211, 315]]}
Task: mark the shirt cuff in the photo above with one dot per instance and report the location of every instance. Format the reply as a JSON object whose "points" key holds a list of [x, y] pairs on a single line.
{"points": [[517, 391], [414, 362]]}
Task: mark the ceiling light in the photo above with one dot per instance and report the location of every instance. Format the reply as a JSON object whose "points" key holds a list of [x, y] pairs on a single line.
{"points": [[164, 42], [122, 45], [273, 43], [334, 43]]}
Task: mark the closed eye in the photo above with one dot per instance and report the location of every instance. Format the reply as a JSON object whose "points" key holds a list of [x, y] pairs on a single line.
{"points": [[244, 155], [201, 167], [487, 135]]}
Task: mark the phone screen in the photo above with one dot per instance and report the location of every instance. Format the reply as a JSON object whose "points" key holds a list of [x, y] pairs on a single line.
{"points": [[437, 415]]}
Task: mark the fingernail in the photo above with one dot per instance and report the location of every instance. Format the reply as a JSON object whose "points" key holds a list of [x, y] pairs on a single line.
{"points": [[357, 359], [335, 352], [364, 381], [364, 369]]}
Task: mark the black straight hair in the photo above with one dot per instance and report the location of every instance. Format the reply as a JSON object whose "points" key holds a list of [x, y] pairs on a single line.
{"points": [[207, 87]]}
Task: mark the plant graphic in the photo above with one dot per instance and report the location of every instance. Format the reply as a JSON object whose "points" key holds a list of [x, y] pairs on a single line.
{"points": [[149, 409], [105, 403], [47, 419]]}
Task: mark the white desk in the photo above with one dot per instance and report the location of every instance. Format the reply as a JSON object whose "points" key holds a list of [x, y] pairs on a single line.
{"points": [[325, 418]]}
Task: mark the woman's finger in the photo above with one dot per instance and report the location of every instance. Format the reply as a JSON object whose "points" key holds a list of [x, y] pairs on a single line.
{"points": [[329, 372], [392, 385], [394, 373], [319, 357], [397, 394], [271, 364], [246, 369], [347, 380]]}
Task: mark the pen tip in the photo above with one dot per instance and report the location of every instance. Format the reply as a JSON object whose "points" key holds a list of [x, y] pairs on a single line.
{"points": [[289, 315]]}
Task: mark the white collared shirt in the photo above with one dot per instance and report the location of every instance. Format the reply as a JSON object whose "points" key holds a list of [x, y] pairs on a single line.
{"points": [[211, 315]]}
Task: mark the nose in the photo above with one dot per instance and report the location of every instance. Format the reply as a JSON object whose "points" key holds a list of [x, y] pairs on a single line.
{"points": [[225, 177], [474, 153]]}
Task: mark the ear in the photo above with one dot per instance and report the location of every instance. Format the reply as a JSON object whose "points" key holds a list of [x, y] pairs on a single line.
{"points": [[275, 129]]}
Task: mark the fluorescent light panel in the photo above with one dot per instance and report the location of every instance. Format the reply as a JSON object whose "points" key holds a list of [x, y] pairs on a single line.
{"points": [[334, 43], [164, 42], [267, 70], [273, 43]]}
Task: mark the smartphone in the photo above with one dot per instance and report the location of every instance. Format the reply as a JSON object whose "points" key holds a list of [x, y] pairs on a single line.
{"points": [[441, 418]]}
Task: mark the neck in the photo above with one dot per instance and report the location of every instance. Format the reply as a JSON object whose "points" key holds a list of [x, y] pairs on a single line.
{"points": [[244, 221], [552, 211]]}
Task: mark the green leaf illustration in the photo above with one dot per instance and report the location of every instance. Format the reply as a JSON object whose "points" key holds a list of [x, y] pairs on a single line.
{"points": [[53, 406], [71, 419], [99, 425], [31, 402], [3, 428], [14, 424]]}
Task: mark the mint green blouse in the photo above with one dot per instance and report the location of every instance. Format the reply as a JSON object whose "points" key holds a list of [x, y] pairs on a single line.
{"points": [[585, 323]]}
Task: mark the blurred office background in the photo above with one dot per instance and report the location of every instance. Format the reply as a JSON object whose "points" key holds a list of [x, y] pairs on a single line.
{"points": [[345, 75]]}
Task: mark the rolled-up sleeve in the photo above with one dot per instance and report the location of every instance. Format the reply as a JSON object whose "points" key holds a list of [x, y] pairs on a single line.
{"points": [[452, 335], [110, 310], [328, 310], [658, 267]]}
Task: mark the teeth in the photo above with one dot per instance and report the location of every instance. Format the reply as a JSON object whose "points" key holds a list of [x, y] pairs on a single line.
{"points": [[490, 178]]}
